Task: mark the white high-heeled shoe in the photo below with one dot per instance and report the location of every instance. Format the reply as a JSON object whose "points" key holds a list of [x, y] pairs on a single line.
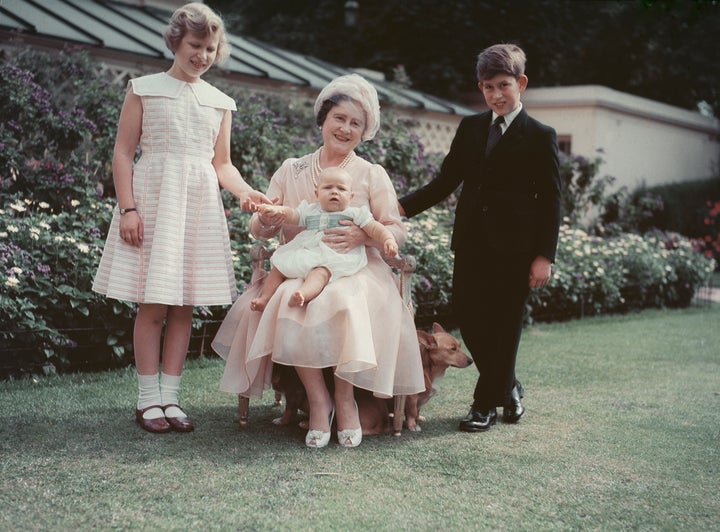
{"points": [[350, 437], [317, 439]]}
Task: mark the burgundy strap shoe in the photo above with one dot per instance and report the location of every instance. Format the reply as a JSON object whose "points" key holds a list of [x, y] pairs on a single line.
{"points": [[179, 424], [157, 425]]}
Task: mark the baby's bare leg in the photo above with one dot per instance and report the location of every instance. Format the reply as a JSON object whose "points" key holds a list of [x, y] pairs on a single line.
{"points": [[313, 284], [272, 281]]}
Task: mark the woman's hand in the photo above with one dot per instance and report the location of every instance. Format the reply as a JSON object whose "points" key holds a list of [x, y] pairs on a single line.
{"points": [[131, 228], [346, 238]]}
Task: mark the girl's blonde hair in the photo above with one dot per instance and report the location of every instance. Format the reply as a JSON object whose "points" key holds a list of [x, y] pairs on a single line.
{"points": [[198, 19]]}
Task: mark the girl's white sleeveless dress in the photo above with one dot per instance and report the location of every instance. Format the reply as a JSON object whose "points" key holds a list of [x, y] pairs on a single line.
{"points": [[185, 257]]}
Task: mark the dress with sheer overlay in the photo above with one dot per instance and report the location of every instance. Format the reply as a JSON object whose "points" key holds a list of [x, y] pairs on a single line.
{"points": [[185, 256], [358, 324]]}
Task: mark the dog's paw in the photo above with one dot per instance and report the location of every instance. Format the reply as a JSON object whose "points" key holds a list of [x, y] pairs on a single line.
{"points": [[422, 419], [415, 428]]}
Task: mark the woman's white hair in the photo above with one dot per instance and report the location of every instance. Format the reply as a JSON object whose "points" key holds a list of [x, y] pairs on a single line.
{"points": [[358, 89]]}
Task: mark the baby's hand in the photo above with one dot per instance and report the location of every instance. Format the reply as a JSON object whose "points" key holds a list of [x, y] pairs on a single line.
{"points": [[390, 247], [273, 214]]}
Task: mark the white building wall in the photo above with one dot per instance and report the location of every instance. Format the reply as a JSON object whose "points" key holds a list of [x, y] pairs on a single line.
{"points": [[640, 140]]}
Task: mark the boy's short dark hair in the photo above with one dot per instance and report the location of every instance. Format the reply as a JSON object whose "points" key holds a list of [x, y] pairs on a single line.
{"points": [[500, 59]]}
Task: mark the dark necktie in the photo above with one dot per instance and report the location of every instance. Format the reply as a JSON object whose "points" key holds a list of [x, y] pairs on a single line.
{"points": [[495, 135]]}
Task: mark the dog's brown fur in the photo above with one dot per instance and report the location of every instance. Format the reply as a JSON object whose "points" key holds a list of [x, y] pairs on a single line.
{"points": [[438, 350]]}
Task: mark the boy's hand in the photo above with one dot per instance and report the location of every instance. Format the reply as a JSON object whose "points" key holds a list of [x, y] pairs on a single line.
{"points": [[540, 271], [390, 247]]}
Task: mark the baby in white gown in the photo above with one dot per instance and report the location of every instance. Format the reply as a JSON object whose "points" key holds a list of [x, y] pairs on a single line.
{"points": [[307, 256]]}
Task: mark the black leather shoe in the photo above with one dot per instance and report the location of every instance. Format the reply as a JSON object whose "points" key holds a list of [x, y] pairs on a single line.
{"points": [[513, 410], [478, 420]]}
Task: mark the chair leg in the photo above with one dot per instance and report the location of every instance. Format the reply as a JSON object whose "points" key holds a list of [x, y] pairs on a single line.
{"points": [[243, 410], [398, 414]]}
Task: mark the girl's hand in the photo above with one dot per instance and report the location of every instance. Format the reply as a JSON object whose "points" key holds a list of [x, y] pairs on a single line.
{"points": [[249, 201], [131, 228], [344, 239]]}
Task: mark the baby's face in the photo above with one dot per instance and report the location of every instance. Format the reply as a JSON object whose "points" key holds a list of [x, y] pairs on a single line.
{"points": [[334, 190]]}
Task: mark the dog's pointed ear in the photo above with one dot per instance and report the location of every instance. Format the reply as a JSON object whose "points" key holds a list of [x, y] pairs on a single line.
{"points": [[437, 328], [426, 340]]}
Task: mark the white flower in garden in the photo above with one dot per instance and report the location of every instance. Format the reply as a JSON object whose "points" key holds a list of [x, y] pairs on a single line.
{"points": [[16, 270], [43, 205], [44, 225], [84, 248], [19, 207], [74, 203], [58, 238], [3, 234], [12, 282], [12, 228]]}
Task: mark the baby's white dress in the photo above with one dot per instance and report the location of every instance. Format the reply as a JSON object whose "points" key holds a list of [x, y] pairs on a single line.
{"points": [[307, 250], [185, 257]]}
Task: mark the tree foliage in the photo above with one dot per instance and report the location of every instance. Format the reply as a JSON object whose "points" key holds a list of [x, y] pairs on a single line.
{"points": [[658, 49]]}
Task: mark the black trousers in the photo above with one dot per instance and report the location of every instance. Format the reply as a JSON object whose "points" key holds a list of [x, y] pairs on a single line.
{"points": [[490, 292]]}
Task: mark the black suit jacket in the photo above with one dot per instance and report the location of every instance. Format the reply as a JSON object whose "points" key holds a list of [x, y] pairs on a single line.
{"points": [[510, 201]]}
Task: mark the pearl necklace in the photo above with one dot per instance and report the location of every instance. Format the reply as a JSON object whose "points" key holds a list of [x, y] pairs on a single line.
{"points": [[316, 168]]}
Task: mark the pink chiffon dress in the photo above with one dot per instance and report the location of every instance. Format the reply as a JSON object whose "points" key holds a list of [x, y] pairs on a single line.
{"points": [[358, 324], [185, 256]]}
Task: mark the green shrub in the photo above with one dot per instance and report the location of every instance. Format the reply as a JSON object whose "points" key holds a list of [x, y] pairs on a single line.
{"points": [[595, 275], [709, 240], [58, 117]]}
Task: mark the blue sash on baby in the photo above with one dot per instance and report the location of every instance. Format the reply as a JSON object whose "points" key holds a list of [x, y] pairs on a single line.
{"points": [[325, 220]]}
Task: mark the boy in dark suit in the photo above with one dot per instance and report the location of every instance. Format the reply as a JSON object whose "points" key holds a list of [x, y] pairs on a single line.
{"points": [[506, 227]]}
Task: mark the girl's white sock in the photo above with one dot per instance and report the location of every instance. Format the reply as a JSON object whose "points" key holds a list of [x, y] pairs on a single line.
{"points": [[149, 395], [169, 390]]}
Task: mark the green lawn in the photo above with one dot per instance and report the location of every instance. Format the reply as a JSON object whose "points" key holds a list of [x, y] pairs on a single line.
{"points": [[622, 431]]}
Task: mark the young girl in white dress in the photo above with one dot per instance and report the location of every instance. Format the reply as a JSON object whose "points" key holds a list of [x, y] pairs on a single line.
{"points": [[306, 256], [168, 246]]}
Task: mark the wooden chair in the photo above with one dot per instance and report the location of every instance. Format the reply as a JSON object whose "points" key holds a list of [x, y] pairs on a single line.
{"points": [[405, 267]]}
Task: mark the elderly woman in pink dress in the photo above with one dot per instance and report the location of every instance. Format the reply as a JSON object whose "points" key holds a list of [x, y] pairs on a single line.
{"points": [[358, 325]]}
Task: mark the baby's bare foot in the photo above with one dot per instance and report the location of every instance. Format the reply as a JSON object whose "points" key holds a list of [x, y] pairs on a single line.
{"points": [[258, 304], [297, 299]]}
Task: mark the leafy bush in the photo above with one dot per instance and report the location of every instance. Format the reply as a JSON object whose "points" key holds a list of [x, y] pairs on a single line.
{"points": [[597, 275], [582, 190], [56, 201], [709, 243]]}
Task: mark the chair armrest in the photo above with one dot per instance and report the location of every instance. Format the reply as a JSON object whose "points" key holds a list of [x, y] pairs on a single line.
{"points": [[406, 265]]}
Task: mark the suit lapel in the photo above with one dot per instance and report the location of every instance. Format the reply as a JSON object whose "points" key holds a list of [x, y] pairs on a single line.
{"points": [[514, 135]]}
